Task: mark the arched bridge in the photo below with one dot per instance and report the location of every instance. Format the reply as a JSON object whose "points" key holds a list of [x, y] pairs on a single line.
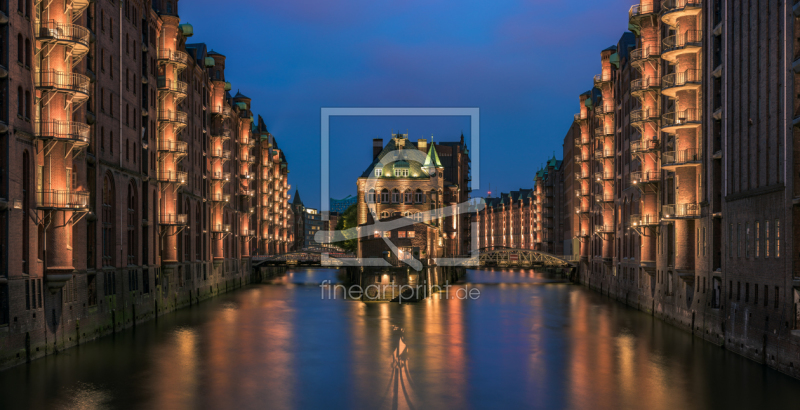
{"points": [[502, 256]]}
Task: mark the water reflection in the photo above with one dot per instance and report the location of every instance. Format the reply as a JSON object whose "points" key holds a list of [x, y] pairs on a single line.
{"points": [[528, 341]]}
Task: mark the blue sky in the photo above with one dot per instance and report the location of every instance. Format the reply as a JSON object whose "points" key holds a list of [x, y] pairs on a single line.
{"points": [[523, 63]]}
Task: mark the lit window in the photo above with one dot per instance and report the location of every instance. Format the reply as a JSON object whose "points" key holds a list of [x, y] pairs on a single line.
{"points": [[377, 234], [401, 234], [410, 234], [387, 234], [378, 172]]}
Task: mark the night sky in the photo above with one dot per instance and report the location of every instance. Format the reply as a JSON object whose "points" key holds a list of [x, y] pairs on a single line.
{"points": [[522, 63]]}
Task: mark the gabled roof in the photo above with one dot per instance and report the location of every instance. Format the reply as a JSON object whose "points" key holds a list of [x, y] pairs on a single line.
{"points": [[415, 169], [432, 160]]}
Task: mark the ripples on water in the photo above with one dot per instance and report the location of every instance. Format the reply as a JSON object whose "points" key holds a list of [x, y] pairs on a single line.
{"points": [[528, 341]]}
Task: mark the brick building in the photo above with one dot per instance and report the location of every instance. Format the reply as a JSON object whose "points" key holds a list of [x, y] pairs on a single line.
{"points": [[684, 176], [404, 181], [129, 172]]}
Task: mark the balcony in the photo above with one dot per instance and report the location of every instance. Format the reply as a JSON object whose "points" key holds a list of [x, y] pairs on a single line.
{"points": [[221, 135], [220, 198], [645, 177], [644, 146], [579, 175], [251, 159], [644, 220], [681, 211], [643, 85], [224, 110], [221, 228], [582, 141], [639, 11], [247, 192], [178, 177], [179, 88], [173, 147], [582, 209], [672, 84], [584, 233], [71, 35], [677, 120], [639, 118], [640, 56], [252, 210], [603, 176], [77, 85], [245, 175], [581, 192], [175, 117], [602, 80], [602, 132], [581, 116], [603, 153], [221, 176], [686, 157], [67, 131], [581, 157], [672, 10], [603, 110], [64, 200], [689, 41], [604, 229], [178, 58], [221, 154], [172, 219], [604, 198]]}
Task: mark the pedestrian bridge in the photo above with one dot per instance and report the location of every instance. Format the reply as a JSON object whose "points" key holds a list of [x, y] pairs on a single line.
{"points": [[310, 257], [502, 256]]}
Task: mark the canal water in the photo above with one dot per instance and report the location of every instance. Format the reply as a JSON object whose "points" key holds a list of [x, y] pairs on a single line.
{"points": [[527, 341]]}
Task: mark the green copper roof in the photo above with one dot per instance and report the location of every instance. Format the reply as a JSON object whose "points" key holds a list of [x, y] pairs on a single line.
{"points": [[433, 158], [614, 59]]}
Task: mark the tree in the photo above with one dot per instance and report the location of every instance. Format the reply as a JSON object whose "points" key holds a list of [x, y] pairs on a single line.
{"points": [[347, 221]]}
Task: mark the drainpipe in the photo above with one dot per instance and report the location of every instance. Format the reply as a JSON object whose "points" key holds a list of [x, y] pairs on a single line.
{"points": [[119, 78]]}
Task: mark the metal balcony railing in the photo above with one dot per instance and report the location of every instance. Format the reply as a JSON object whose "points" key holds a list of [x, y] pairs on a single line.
{"points": [[582, 141], [176, 57], [646, 52], [604, 197], [669, 6], [221, 176], [693, 76], [645, 177], [220, 109], [685, 156], [680, 211], [173, 116], [644, 220], [644, 84], [604, 228], [639, 10], [678, 118], [581, 192], [603, 110], [247, 192], [220, 198], [175, 86], [62, 82], [172, 219], [48, 31], [642, 115], [582, 157], [644, 146], [582, 209], [178, 147], [580, 116], [171, 176], [220, 228], [69, 131], [603, 175], [603, 153], [682, 40], [62, 199], [581, 175], [601, 79], [221, 134], [602, 132], [221, 153]]}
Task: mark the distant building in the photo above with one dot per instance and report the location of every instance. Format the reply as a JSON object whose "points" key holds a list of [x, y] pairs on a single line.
{"points": [[312, 223], [298, 211], [341, 205]]}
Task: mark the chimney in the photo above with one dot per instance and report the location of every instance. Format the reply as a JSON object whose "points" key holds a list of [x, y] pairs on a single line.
{"points": [[377, 147], [422, 144]]}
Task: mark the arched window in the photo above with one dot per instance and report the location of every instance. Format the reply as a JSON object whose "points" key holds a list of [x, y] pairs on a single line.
{"points": [[198, 240], [419, 197], [371, 196], [102, 138], [407, 196], [26, 204], [395, 196], [417, 216], [20, 102], [385, 196], [27, 104], [384, 214], [108, 220], [133, 244]]}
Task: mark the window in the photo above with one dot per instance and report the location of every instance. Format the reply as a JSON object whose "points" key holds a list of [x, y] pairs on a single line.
{"points": [[747, 240], [766, 239], [27, 104], [384, 214], [777, 239], [777, 295], [26, 204], [758, 240], [91, 289], [407, 196], [109, 284], [385, 196], [20, 102], [28, 52], [377, 234], [739, 240], [378, 172], [132, 225], [410, 234], [395, 196], [401, 234], [387, 234], [418, 197], [20, 50], [108, 221], [371, 196]]}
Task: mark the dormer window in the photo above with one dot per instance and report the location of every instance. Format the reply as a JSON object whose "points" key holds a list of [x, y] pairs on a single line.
{"points": [[378, 172], [401, 172]]}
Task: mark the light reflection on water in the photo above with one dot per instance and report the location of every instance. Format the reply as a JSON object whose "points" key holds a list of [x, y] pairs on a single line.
{"points": [[526, 342]]}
